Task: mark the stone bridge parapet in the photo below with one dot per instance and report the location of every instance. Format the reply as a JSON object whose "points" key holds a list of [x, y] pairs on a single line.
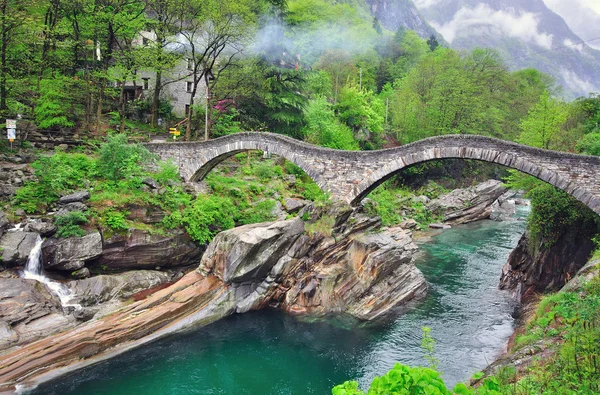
{"points": [[352, 175]]}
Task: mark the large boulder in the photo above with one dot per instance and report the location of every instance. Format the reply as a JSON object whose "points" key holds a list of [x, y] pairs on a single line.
{"points": [[74, 197], [16, 246], [104, 288], [28, 311], [249, 252], [142, 250], [467, 205], [72, 253]]}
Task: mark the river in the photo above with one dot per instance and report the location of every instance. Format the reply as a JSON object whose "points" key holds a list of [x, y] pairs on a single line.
{"points": [[271, 353]]}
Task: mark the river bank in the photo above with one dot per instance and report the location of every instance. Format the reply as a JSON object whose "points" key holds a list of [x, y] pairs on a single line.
{"points": [[270, 352], [201, 292]]}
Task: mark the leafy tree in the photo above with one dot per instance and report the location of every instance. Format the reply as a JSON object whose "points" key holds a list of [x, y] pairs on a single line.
{"points": [[433, 43], [118, 160], [323, 128], [543, 124]]}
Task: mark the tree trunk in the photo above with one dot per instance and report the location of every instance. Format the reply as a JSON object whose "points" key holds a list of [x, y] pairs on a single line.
{"points": [[156, 99], [3, 45], [122, 115]]}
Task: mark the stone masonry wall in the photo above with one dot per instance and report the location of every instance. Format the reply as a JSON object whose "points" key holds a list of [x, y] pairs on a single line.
{"points": [[351, 175]]}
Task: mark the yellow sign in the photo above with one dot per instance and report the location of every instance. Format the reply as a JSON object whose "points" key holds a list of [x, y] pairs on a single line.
{"points": [[174, 131]]}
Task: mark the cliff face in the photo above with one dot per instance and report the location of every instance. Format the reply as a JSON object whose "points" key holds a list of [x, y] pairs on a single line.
{"points": [[546, 269]]}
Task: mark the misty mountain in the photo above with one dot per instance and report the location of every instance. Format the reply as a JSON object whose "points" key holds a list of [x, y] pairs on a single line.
{"points": [[393, 14], [526, 32]]}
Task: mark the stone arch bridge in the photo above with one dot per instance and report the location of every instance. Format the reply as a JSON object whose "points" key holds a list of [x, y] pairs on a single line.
{"points": [[352, 175]]}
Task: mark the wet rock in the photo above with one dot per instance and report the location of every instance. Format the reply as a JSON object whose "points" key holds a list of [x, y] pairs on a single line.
{"points": [[104, 288], [16, 246], [141, 250], [28, 311], [293, 205], [439, 226], [81, 273], [249, 252], [75, 197], [504, 208], [72, 253], [468, 205], [45, 229]]}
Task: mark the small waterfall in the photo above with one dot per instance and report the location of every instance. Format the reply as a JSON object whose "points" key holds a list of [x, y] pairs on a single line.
{"points": [[34, 270]]}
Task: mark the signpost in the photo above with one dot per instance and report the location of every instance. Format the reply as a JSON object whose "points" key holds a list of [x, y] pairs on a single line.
{"points": [[174, 132], [11, 130]]}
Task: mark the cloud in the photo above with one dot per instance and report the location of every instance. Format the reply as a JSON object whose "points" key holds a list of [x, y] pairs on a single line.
{"points": [[576, 84], [426, 3], [582, 16], [523, 26]]}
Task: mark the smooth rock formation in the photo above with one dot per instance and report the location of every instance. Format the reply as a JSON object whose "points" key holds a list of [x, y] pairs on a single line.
{"points": [[74, 197], [15, 248], [248, 253], [72, 253], [45, 229], [104, 288], [293, 205], [141, 250], [505, 207], [467, 205], [28, 311]]}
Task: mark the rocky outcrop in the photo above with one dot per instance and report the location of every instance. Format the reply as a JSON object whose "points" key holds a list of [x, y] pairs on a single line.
{"points": [[13, 175], [535, 269], [28, 311], [248, 253], [80, 196], [367, 276], [467, 205], [15, 248], [141, 250], [104, 288], [72, 253]]}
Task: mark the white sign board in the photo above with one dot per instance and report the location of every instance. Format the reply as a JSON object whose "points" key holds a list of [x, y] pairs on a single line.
{"points": [[11, 134], [11, 124]]}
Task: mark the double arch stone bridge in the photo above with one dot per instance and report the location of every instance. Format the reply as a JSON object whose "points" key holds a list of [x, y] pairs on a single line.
{"points": [[352, 175]]}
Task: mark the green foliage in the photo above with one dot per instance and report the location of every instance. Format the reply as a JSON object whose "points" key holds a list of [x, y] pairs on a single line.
{"points": [[589, 144], [428, 346], [115, 220], [543, 124], [167, 173], [55, 175], [321, 227], [51, 111], [554, 212], [69, 225], [119, 160], [208, 216], [324, 129], [225, 123]]}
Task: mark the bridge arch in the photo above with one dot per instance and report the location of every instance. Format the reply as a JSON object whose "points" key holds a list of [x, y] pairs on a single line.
{"points": [[351, 175]]}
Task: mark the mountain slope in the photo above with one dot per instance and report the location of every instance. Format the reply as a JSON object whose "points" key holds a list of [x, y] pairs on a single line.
{"points": [[526, 32], [394, 14]]}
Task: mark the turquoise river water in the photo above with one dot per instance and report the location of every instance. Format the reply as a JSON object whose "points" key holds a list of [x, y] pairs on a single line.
{"points": [[272, 353]]}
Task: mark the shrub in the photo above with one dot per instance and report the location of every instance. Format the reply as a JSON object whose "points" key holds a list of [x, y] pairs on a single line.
{"points": [[69, 225], [167, 173], [119, 160], [208, 216], [115, 220]]}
